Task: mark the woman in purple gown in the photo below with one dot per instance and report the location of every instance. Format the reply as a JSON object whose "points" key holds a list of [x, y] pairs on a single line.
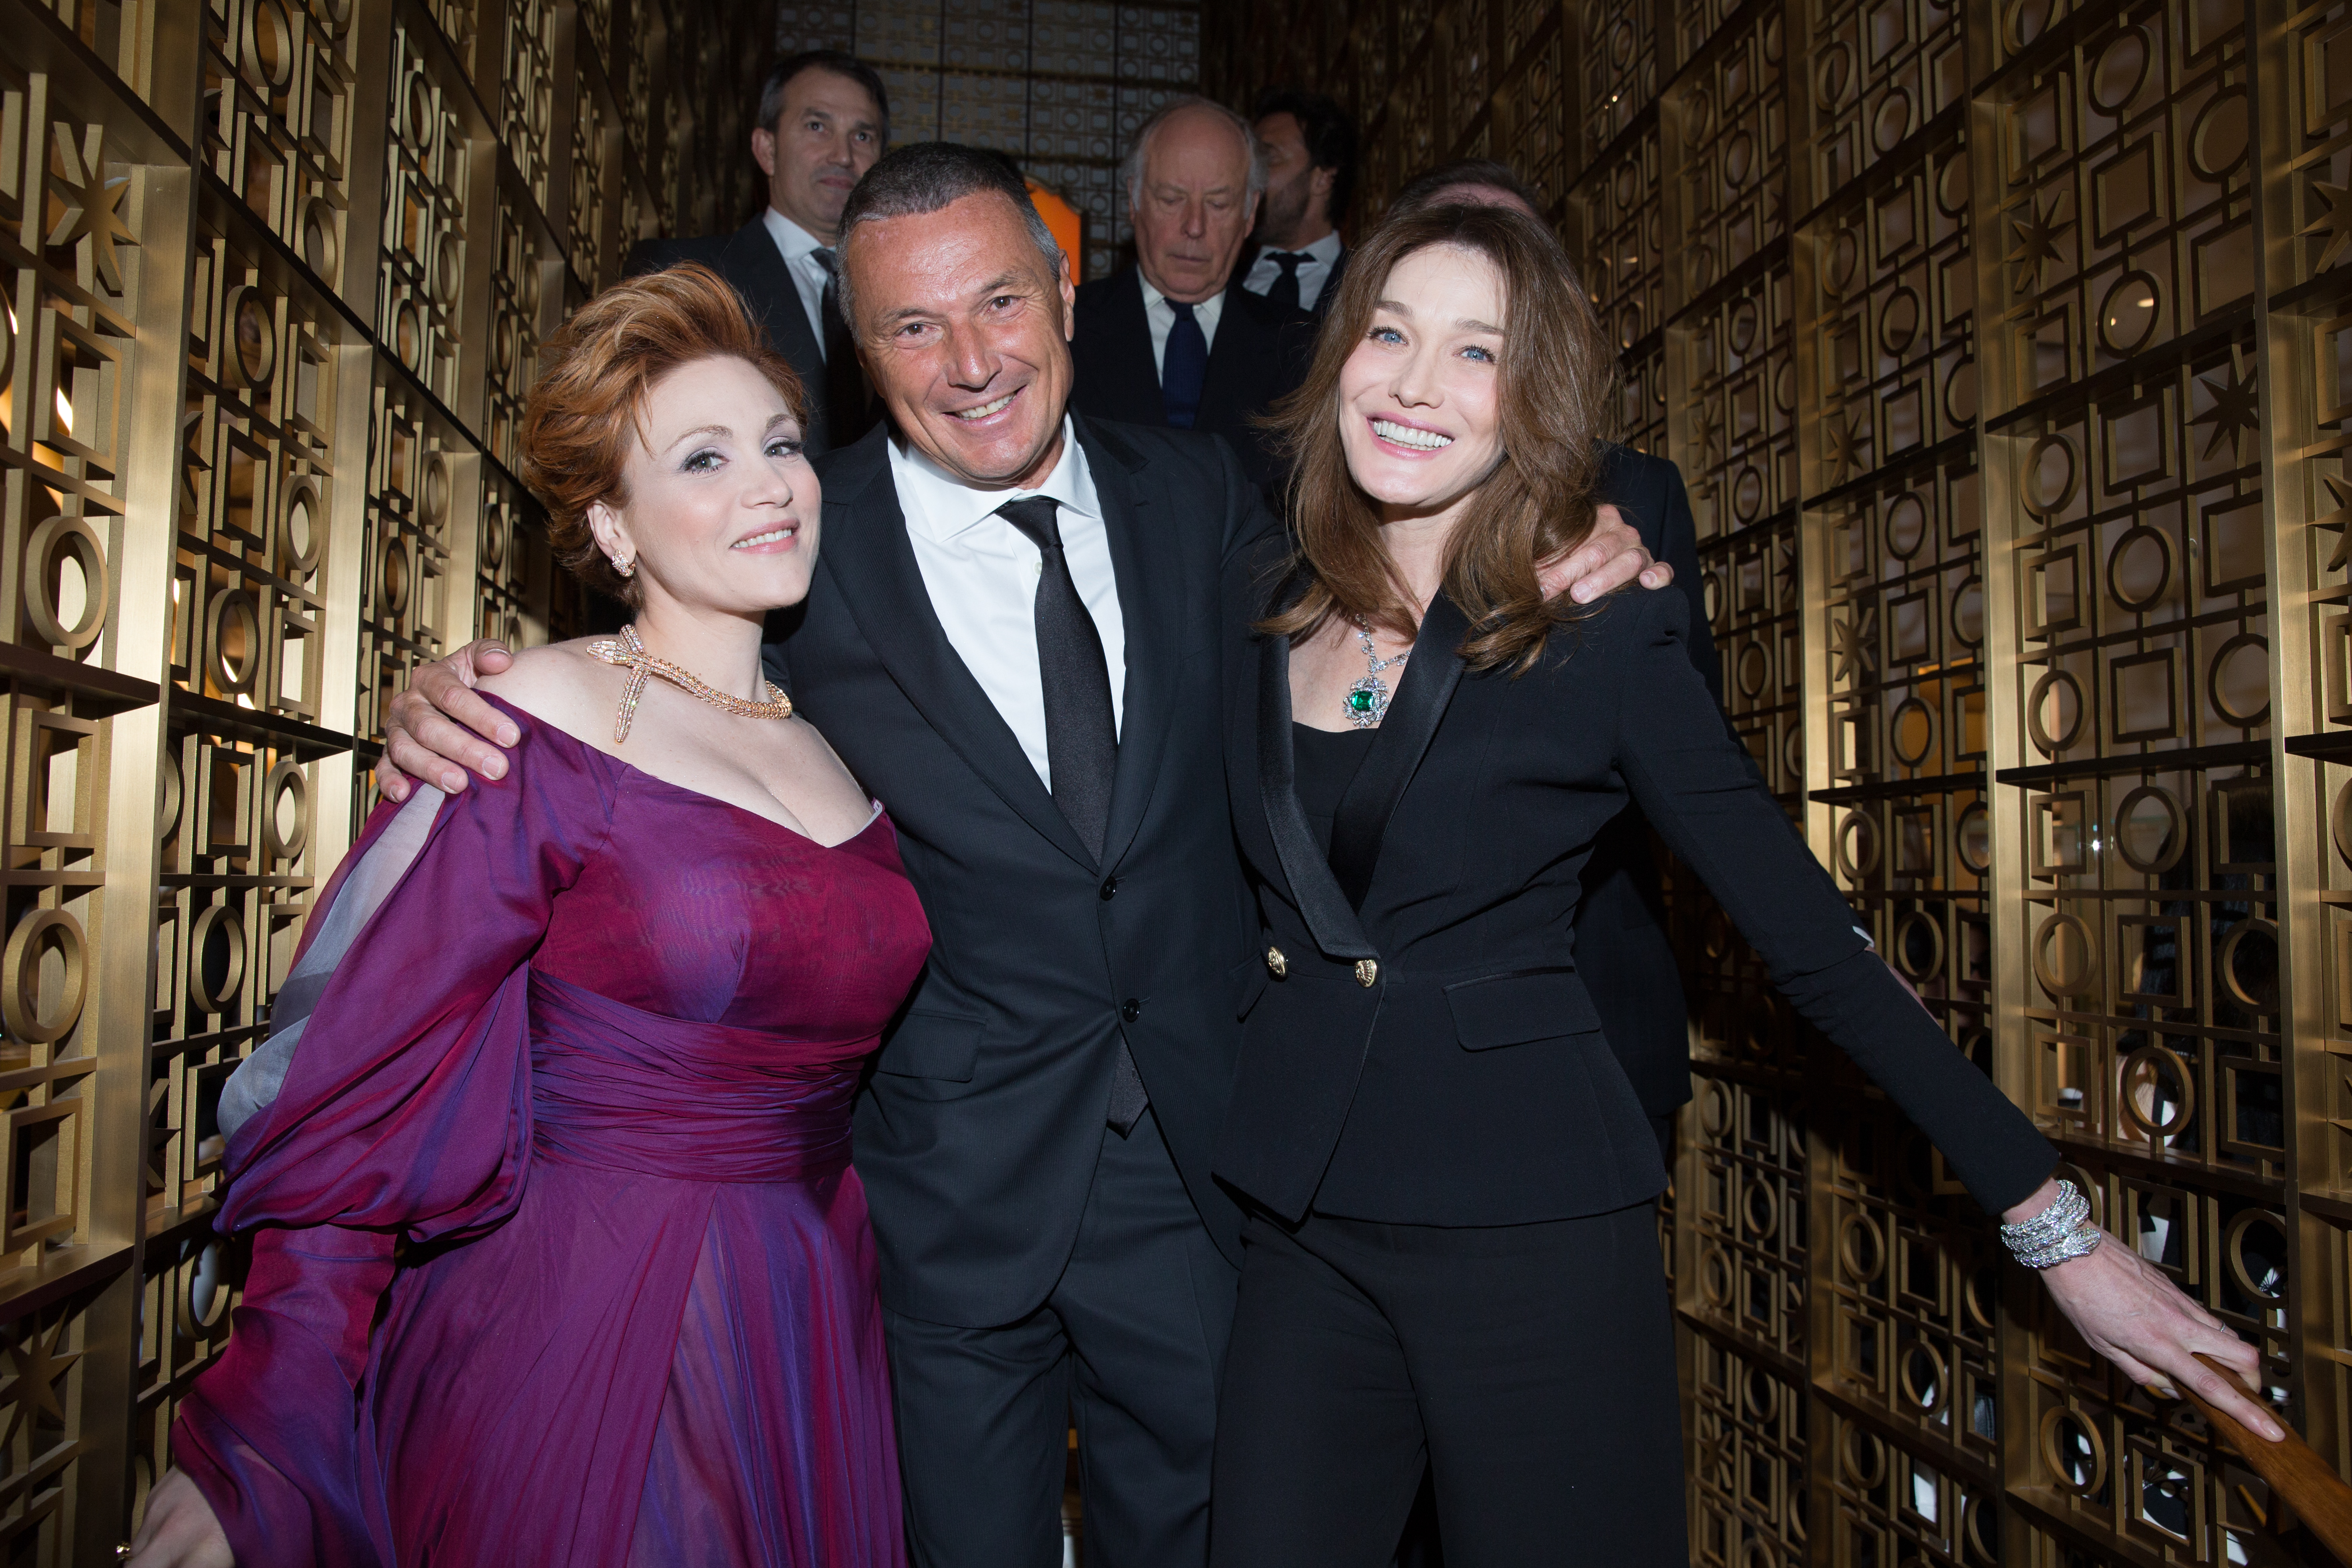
{"points": [[558, 1257]]}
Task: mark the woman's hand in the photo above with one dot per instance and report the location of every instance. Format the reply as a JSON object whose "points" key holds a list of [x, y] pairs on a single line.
{"points": [[424, 727], [179, 1532], [2132, 1314]]}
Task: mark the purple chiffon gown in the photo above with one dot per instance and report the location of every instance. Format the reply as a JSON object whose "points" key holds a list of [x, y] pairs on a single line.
{"points": [[558, 1257]]}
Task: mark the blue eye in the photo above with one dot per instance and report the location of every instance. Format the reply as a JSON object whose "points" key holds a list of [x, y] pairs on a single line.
{"points": [[1386, 335], [1485, 355]]}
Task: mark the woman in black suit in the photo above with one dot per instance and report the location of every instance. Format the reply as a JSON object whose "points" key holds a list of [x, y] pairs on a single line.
{"points": [[1451, 1257]]}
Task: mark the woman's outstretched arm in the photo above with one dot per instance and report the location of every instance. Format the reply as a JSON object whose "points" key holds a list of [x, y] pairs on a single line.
{"points": [[1693, 785]]}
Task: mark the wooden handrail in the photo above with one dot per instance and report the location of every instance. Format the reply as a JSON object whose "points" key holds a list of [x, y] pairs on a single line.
{"points": [[2296, 1474]]}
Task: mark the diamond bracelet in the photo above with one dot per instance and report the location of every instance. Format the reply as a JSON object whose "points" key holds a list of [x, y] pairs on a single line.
{"points": [[2058, 1233]]}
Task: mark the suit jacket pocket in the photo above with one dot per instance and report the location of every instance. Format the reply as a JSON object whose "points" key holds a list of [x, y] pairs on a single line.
{"points": [[933, 1045], [1248, 982], [1524, 1005]]}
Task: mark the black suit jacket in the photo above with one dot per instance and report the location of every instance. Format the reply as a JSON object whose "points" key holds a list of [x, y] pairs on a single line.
{"points": [[1627, 958], [1259, 353], [749, 260], [978, 1131], [1431, 1054]]}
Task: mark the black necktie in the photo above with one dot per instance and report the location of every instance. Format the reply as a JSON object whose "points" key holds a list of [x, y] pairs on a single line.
{"points": [[1184, 368], [1284, 292], [848, 408], [1081, 735], [1081, 731]]}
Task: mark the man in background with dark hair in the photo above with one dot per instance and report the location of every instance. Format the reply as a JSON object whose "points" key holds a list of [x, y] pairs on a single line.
{"points": [[1310, 173], [823, 120]]}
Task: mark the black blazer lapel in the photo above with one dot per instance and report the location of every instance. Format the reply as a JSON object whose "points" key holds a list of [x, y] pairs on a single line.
{"points": [[1244, 362], [1129, 381], [1421, 700], [1149, 572], [866, 549], [756, 268], [1331, 289], [1326, 909]]}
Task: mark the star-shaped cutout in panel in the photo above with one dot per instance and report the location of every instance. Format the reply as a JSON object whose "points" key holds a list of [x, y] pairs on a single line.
{"points": [[2334, 223], [1705, 432], [2234, 412], [193, 465], [88, 203], [2037, 242], [1842, 443], [37, 1367], [1849, 649], [2341, 489]]}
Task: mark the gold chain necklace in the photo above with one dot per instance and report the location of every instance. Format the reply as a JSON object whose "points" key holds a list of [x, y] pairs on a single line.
{"points": [[629, 652]]}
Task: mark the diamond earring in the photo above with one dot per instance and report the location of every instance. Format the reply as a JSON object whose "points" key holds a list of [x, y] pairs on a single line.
{"points": [[625, 565]]}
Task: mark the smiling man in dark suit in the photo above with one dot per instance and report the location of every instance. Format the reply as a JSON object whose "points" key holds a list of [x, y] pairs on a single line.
{"points": [[1175, 340], [823, 120]]}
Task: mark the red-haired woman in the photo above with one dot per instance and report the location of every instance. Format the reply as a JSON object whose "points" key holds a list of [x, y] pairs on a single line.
{"points": [[1452, 1259], [557, 1254]]}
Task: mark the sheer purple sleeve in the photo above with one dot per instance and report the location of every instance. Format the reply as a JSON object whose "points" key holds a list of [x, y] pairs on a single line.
{"points": [[393, 1099]]}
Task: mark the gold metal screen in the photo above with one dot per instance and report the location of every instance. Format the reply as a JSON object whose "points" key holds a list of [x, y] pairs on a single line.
{"points": [[2007, 348], [276, 273]]}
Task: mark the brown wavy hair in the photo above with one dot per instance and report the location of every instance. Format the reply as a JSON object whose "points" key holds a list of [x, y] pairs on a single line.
{"points": [[1556, 377], [588, 404]]}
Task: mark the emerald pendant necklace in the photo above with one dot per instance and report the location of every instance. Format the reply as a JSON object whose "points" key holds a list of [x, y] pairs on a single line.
{"points": [[1366, 701]]}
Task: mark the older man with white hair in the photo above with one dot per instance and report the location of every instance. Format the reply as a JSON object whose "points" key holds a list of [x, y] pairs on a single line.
{"points": [[1175, 340]]}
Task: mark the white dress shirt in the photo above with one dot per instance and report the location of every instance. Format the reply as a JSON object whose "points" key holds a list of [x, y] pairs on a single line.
{"points": [[1313, 273], [1162, 316], [800, 247], [982, 575]]}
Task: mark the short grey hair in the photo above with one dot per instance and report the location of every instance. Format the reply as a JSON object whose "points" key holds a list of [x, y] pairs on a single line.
{"points": [[924, 177], [1130, 170]]}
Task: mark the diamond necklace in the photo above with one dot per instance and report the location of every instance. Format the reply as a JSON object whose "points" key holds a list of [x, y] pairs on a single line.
{"points": [[1366, 701], [629, 652]]}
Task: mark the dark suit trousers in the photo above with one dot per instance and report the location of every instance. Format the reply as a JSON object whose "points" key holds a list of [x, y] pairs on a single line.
{"points": [[1132, 1339], [1532, 1368]]}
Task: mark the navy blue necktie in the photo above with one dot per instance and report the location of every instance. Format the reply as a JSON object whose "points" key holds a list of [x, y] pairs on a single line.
{"points": [[1183, 369]]}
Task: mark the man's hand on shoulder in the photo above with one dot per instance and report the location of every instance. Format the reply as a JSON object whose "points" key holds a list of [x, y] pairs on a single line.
{"points": [[1611, 555], [441, 721]]}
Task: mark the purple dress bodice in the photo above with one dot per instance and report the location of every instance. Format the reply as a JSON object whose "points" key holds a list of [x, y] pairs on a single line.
{"points": [[591, 1053], [700, 910]]}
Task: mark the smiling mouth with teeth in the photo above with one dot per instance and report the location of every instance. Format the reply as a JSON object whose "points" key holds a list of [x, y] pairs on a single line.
{"points": [[770, 537], [1410, 436], [986, 409]]}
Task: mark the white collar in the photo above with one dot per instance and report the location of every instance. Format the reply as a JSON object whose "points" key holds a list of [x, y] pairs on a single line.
{"points": [[944, 506], [1205, 311], [1328, 249], [791, 239]]}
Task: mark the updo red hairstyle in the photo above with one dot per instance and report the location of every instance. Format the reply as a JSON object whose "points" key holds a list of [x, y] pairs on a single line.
{"points": [[586, 409]]}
